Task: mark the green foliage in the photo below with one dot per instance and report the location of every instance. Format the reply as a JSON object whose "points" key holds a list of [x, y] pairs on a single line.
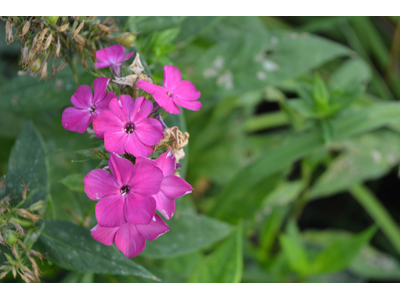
{"points": [[74, 182]]}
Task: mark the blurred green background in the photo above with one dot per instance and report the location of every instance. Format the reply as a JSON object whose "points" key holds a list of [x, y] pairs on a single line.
{"points": [[293, 157]]}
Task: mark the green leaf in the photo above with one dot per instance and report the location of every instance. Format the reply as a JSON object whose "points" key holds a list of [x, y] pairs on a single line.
{"points": [[295, 254], [146, 24], [354, 122], [194, 26], [188, 232], [27, 164], [74, 182], [320, 94], [341, 253], [225, 264], [73, 248], [353, 72]]}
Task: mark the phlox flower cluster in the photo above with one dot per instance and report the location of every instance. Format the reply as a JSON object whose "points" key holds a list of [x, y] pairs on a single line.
{"points": [[138, 182]]}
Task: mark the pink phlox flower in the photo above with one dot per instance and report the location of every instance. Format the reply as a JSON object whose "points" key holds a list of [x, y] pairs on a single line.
{"points": [[126, 128], [175, 91], [113, 57], [125, 195], [130, 238], [86, 107], [171, 186]]}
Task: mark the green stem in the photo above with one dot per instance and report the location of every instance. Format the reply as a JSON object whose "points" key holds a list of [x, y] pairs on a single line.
{"points": [[266, 121], [378, 212]]}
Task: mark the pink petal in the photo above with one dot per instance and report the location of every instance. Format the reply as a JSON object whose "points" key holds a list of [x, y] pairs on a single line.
{"points": [[166, 102], [136, 147], [100, 88], [144, 110], [165, 205], [174, 187], [128, 56], [105, 235], [154, 229], [150, 87], [149, 131], [110, 211], [114, 53], [117, 109], [186, 91], [130, 106], [172, 77], [114, 141], [75, 119], [107, 121], [139, 209], [104, 103], [129, 240], [121, 168], [101, 65], [144, 158], [146, 178], [99, 183], [190, 104], [167, 163], [82, 98]]}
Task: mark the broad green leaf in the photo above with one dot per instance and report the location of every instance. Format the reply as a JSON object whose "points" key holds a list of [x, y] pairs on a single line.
{"points": [[298, 145], [225, 264], [285, 193], [26, 96], [341, 253], [74, 182], [27, 164], [194, 26], [188, 232], [353, 72], [144, 24], [365, 157], [295, 254], [73, 248]]}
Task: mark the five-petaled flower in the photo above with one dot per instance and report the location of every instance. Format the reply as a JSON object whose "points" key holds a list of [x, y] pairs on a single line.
{"points": [[87, 107], [124, 196], [171, 186], [130, 238], [113, 57], [126, 128], [175, 91]]}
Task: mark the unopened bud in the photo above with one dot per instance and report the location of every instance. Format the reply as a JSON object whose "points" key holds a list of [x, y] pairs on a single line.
{"points": [[125, 39], [35, 66], [52, 19], [48, 41], [11, 238], [43, 73], [25, 28], [104, 28], [62, 27]]}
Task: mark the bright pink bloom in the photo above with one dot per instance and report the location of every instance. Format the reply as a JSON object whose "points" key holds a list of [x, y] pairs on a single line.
{"points": [[126, 196], [171, 186], [175, 91], [113, 57], [126, 128], [130, 238], [87, 107]]}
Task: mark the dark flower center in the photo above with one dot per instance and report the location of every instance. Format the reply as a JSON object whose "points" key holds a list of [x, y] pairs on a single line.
{"points": [[129, 128], [92, 109], [125, 190]]}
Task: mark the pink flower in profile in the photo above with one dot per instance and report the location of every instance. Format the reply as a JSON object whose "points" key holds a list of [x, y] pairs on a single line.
{"points": [[130, 238], [113, 57], [124, 196], [175, 91], [87, 107], [171, 186], [126, 128]]}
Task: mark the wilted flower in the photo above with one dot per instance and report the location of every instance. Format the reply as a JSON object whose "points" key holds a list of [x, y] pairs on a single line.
{"points": [[171, 187], [136, 66], [175, 91], [87, 107], [130, 238], [126, 128], [125, 196], [113, 57]]}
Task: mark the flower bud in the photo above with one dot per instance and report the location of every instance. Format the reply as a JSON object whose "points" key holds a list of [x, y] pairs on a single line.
{"points": [[48, 41], [125, 39], [11, 238], [77, 30], [42, 35], [62, 27], [79, 39], [35, 66], [51, 19], [36, 206], [104, 28], [25, 28]]}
